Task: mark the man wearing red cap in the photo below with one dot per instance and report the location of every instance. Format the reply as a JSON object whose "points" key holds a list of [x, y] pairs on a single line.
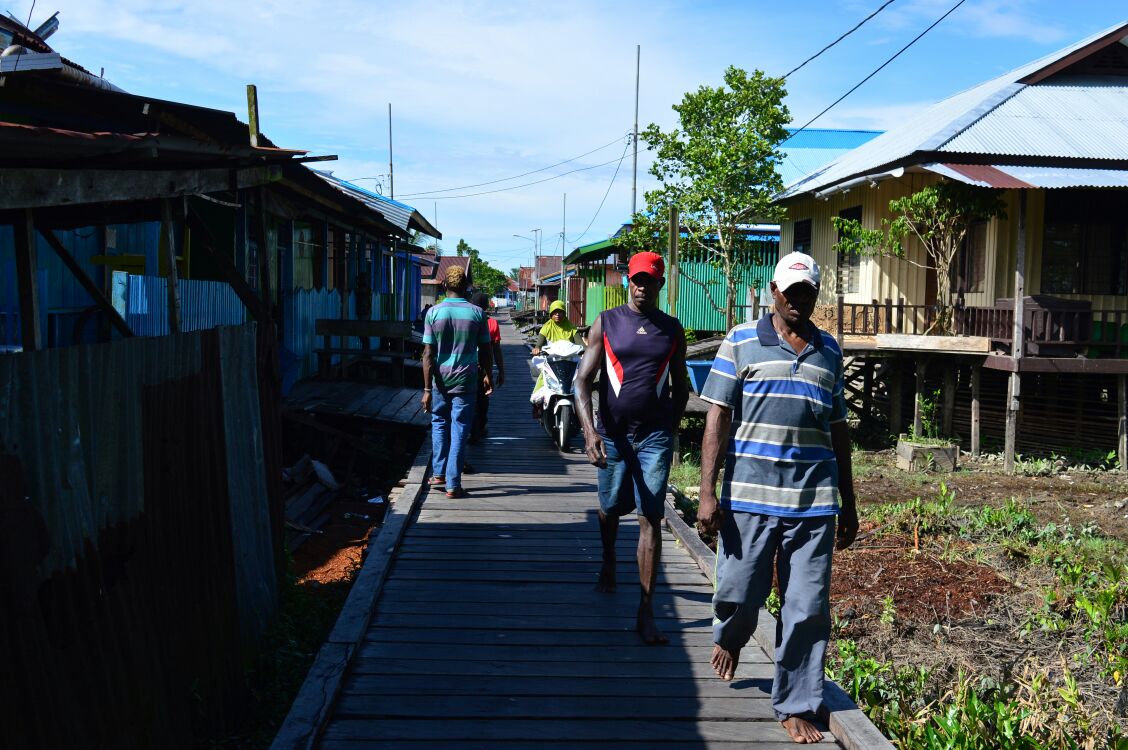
{"points": [[639, 353]]}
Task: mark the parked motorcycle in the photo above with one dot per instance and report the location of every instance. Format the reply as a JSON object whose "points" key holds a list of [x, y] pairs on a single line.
{"points": [[557, 363]]}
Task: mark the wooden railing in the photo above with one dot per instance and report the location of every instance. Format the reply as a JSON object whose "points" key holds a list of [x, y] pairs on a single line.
{"points": [[1048, 332]]}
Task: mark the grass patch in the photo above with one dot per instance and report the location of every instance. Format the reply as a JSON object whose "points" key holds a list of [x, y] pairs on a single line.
{"points": [[1046, 668]]}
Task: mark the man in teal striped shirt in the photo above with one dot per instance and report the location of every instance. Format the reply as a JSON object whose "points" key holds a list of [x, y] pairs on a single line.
{"points": [[456, 342]]}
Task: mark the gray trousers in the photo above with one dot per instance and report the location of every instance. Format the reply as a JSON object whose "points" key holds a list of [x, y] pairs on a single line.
{"points": [[800, 549]]}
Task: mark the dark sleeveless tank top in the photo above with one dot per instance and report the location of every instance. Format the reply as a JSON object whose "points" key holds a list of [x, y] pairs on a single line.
{"points": [[634, 383]]}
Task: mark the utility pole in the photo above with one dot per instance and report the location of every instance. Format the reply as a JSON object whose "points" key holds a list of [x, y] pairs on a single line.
{"points": [[563, 247], [634, 138], [391, 172]]}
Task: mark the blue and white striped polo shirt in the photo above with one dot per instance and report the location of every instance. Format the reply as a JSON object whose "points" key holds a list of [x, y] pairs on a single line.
{"points": [[780, 458]]}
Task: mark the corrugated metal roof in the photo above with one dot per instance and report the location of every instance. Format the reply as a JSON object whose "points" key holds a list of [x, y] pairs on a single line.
{"points": [[934, 127], [1084, 120], [1019, 177], [436, 274], [400, 214]]}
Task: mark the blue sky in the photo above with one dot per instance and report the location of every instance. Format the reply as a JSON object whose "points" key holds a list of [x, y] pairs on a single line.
{"points": [[482, 91]]}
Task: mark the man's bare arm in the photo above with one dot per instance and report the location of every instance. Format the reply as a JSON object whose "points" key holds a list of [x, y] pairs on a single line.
{"points": [[718, 425], [485, 362], [585, 379], [848, 517], [428, 365], [680, 380], [500, 363]]}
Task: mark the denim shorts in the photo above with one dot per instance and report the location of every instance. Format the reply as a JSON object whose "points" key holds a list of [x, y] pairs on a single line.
{"points": [[637, 474]]}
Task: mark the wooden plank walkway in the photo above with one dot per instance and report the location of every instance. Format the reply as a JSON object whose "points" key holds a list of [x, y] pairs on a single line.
{"points": [[389, 403], [488, 632]]}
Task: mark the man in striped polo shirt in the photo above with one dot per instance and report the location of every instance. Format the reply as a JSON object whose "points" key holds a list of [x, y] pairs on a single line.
{"points": [[787, 479], [456, 342]]}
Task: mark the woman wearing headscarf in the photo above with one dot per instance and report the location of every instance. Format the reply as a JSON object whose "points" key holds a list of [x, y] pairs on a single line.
{"points": [[557, 328]]}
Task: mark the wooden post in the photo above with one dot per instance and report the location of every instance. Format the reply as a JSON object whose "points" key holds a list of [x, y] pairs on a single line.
{"points": [[1122, 421], [949, 399], [976, 370], [900, 316], [27, 281], [868, 366], [86, 282], [896, 396], [253, 114], [841, 312], [888, 316], [672, 290], [1018, 335], [921, 368], [173, 283]]}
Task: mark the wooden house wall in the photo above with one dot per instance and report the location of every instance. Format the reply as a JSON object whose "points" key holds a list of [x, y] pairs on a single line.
{"points": [[892, 278]]}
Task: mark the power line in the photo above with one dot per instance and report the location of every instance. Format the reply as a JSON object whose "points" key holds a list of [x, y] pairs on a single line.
{"points": [[861, 23], [875, 72], [605, 194], [526, 184], [503, 179]]}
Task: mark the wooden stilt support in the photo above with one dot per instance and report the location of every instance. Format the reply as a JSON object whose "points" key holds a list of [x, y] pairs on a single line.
{"points": [[1018, 338], [921, 369], [27, 283], [976, 371], [896, 396], [949, 400], [1122, 421], [169, 232], [868, 366]]}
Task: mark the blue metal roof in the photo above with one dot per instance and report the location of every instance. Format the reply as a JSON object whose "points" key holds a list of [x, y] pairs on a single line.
{"points": [[401, 215]]}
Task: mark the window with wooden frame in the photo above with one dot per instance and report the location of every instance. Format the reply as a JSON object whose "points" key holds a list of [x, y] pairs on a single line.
{"points": [[801, 242], [1085, 242], [849, 264], [971, 260]]}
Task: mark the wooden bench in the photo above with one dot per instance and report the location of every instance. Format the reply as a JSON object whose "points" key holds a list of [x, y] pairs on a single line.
{"points": [[394, 348]]}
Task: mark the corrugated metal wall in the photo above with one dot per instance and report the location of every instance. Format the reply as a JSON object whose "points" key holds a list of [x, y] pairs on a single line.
{"points": [[143, 302], [301, 311], [136, 538], [695, 311]]}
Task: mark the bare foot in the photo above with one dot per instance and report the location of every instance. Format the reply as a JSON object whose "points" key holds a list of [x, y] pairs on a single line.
{"points": [[801, 731], [724, 663], [648, 629], [606, 582]]}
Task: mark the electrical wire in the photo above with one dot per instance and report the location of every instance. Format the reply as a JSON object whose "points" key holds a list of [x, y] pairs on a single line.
{"points": [[525, 184], [875, 72], [503, 179], [27, 26], [605, 194], [861, 23]]}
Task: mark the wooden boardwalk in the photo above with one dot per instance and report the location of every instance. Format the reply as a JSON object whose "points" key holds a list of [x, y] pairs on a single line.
{"points": [[388, 403], [488, 633]]}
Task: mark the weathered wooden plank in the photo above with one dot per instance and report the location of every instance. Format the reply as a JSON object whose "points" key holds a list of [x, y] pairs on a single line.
{"points": [[694, 744], [552, 707], [522, 593], [521, 622], [548, 653], [557, 730], [565, 576], [675, 687], [472, 635], [469, 611], [517, 670]]}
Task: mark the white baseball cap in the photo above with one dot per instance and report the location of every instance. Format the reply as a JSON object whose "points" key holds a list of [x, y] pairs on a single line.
{"points": [[795, 267]]}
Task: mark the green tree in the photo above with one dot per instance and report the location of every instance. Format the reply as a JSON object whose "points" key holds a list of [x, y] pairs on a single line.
{"points": [[486, 278], [718, 168], [939, 217]]}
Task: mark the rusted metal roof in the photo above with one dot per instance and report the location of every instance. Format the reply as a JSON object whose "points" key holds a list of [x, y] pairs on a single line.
{"points": [[1026, 177], [436, 274]]}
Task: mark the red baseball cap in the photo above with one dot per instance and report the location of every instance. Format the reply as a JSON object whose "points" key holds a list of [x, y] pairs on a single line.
{"points": [[650, 263]]}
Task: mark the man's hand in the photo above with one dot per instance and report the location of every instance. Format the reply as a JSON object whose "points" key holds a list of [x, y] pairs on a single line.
{"points": [[425, 402], [709, 513], [596, 451], [487, 383], [500, 378], [847, 525], [536, 351]]}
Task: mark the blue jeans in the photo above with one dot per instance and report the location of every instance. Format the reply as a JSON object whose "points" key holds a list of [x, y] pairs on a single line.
{"points": [[637, 473], [452, 415]]}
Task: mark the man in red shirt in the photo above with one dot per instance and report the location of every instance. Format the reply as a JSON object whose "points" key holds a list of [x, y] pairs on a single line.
{"points": [[479, 430]]}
